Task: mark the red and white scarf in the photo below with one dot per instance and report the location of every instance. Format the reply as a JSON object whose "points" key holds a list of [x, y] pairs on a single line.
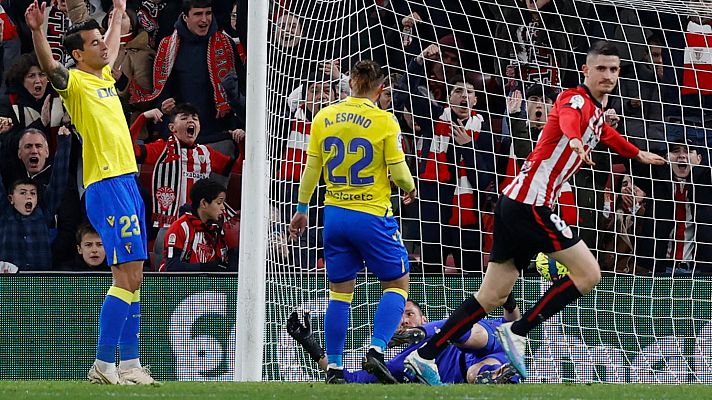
{"points": [[221, 62]]}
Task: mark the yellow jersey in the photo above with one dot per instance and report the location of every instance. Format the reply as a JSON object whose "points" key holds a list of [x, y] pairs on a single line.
{"points": [[96, 111], [356, 142]]}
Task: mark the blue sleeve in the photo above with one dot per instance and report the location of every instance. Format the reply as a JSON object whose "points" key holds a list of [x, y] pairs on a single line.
{"points": [[60, 176]]}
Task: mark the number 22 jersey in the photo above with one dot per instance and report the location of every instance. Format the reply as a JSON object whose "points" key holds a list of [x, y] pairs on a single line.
{"points": [[356, 142]]}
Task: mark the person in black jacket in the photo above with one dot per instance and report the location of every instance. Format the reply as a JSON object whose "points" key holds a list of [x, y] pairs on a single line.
{"points": [[677, 237]]}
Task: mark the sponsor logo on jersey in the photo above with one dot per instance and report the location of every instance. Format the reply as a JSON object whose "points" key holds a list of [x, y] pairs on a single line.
{"points": [[110, 220]]}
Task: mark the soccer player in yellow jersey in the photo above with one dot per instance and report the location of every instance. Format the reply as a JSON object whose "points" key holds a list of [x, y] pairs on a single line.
{"points": [[357, 144], [114, 206]]}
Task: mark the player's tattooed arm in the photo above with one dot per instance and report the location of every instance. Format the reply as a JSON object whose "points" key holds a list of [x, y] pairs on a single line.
{"points": [[59, 76], [35, 18]]}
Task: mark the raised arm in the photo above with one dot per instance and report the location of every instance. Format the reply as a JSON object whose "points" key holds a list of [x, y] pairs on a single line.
{"points": [[56, 72], [113, 34]]}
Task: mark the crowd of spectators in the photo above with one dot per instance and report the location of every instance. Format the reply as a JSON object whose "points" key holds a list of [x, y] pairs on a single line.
{"points": [[180, 75], [470, 82]]}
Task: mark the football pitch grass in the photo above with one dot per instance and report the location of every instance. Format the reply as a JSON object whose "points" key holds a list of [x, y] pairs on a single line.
{"points": [[17, 390]]}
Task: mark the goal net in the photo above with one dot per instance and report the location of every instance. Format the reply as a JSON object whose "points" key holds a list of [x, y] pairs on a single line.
{"points": [[497, 66]]}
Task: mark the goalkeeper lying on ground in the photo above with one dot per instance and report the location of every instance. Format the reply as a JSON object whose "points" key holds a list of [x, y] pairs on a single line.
{"points": [[476, 357]]}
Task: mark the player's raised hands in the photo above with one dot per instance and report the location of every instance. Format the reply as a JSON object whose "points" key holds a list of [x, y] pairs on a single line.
{"points": [[120, 5], [35, 15], [577, 146], [298, 225], [647, 157]]}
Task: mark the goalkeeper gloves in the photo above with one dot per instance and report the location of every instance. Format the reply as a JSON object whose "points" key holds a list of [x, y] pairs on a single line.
{"points": [[303, 334], [407, 336]]}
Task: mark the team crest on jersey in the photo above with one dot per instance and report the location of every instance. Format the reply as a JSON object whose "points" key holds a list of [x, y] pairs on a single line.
{"points": [[110, 220], [172, 239], [128, 247], [165, 196], [577, 102]]}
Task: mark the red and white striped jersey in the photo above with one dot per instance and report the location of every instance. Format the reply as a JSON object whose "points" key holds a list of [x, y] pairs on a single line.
{"points": [[176, 169], [575, 114]]}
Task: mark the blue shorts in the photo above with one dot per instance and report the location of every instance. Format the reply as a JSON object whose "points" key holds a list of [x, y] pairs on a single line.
{"points": [[354, 239], [115, 209]]}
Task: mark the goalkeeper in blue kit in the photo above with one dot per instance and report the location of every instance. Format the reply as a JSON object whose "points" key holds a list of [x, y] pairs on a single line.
{"points": [[356, 145], [475, 357]]}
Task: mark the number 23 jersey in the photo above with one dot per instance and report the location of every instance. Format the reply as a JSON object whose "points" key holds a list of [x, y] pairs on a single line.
{"points": [[356, 142]]}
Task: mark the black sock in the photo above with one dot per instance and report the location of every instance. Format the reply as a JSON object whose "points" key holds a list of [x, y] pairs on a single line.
{"points": [[559, 295], [461, 321]]}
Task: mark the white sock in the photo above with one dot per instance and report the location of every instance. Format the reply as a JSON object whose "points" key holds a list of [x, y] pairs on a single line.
{"points": [[129, 364], [333, 366], [105, 367]]}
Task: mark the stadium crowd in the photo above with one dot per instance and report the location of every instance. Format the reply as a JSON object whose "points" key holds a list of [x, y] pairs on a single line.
{"points": [[471, 84]]}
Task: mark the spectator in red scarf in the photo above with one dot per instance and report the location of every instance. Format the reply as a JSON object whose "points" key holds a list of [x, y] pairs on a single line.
{"points": [[196, 241], [178, 162], [190, 65]]}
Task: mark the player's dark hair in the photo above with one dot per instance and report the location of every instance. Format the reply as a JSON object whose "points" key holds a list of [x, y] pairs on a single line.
{"points": [[72, 39], [24, 181], [602, 48], [366, 76], [183, 108], [191, 4], [204, 189], [85, 228]]}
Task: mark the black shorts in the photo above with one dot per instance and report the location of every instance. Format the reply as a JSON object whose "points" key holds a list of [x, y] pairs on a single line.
{"points": [[521, 231]]}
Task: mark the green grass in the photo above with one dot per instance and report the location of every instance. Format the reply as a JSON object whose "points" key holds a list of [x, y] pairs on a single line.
{"points": [[17, 390]]}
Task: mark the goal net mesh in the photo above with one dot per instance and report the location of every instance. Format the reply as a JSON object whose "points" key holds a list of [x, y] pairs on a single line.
{"points": [[497, 66]]}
